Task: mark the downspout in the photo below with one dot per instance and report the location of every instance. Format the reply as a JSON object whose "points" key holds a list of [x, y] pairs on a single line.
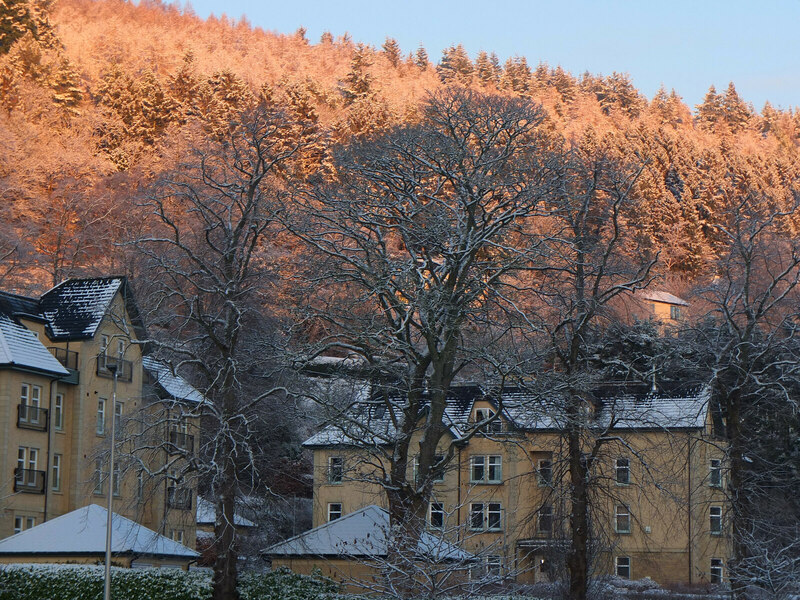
{"points": [[458, 500], [53, 392]]}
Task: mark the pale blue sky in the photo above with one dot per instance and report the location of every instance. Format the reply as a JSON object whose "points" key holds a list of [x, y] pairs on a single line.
{"points": [[686, 45]]}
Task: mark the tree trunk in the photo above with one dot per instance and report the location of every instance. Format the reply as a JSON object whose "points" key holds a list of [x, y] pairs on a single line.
{"points": [[225, 572], [739, 512], [578, 557]]}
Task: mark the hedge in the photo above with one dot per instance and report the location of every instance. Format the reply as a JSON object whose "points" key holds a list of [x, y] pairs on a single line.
{"points": [[85, 582]]}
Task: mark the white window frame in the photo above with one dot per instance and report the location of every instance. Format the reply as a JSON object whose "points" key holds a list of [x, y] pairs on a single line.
{"points": [[545, 516], [103, 353], [19, 524], [715, 520], [477, 462], [622, 511], [119, 411], [622, 471], [176, 535], [437, 459], [716, 571], [99, 482], [477, 509], [494, 468], [489, 512], [542, 481], [30, 522], [715, 473], [620, 563], [436, 508], [102, 405], [486, 464], [117, 475], [55, 473], [140, 485], [58, 412], [334, 477], [494, 565], [332, 510]]}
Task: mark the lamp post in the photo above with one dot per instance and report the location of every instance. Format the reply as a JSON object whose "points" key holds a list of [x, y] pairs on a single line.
{"points": [[114, 368]]}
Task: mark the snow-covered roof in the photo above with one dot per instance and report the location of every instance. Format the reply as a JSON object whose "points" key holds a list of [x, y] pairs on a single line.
{"points": [[175, 385], [19, 347], [83, 531], [658, 296], [207, 515], [369, 421], [362, 533], [75, 308]]}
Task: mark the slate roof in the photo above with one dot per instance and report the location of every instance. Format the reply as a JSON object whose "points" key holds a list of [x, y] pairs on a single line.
{"points": [[361, 534], [207, 515], [174, 385], [369, 422], [19, 346], [75, 308], [83, 531]]}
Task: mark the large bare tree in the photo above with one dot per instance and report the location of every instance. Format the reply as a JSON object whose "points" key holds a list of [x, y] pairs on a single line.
{"points": [[417, 248], [212, 219]]}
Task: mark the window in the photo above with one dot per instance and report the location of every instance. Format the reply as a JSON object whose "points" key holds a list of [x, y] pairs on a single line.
{"points": [[715, 473], [22, 523], [622, 519], [715, 517], [675, 313], [176, 535], [484, 414], [494, 516], [486, 516], [623, 471], [477, 470], [31, 398], [101, 416], [117, 477], [439, 474], [486, 469], [334, 511], [118, 409], [544, 472], [545, 524], [335, 469], [98, 475], [494, 565], [623, 566], [436, 515], [716, 570], [120, 349], [58, 412], [55, 473], [103, 350], [140, 485]]}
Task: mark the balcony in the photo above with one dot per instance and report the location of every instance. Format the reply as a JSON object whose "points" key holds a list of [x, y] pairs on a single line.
{"points": [[29, 481], [69, 360], [31, 417], [181, 443], [105, 364], [179, 498]]}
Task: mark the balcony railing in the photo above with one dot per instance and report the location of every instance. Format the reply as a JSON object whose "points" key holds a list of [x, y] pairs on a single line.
{"points": [[31, 417], [106, 364], [181, 442], [29, 481], [179, 498], [68, 358]]}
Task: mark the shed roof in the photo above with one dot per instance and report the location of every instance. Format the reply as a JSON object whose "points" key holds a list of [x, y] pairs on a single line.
{"points": [[83, 531], [361, 534]]}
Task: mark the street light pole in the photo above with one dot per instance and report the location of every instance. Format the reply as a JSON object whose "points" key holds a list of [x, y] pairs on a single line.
{"points": [[114, 368]]}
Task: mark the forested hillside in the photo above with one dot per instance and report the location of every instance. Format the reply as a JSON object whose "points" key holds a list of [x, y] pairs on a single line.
{"points": [[98, 97]]}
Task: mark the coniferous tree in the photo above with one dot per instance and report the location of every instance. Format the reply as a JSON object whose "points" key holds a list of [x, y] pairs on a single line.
{"points": [[487, 69], [735, 111], [358, 82], [421, 58], [517, 75], [15, 22], [455, 66], [709, 112], [65, 83], [391, 50], [326, 39]]}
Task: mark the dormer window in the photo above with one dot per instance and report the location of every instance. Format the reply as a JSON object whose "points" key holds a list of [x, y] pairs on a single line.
{"points": [[484, 414]]}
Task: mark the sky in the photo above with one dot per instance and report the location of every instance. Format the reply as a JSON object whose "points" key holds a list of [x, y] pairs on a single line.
{"points": [[685, 45]]}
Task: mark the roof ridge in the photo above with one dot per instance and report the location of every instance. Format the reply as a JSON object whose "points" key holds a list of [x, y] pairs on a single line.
{"points": [[326, 525]]}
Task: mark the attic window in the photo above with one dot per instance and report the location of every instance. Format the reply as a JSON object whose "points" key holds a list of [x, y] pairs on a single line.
{"points": [[484, 414]]}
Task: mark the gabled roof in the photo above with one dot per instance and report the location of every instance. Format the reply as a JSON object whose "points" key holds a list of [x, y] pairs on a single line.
{"points": [[665, 297], [19, 346], [75, 307], [368, 421], [83, 531], [174, 385], [207, 515], [361, 534]]}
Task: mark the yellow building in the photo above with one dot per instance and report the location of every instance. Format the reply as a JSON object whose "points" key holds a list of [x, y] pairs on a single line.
{"points": [[658, 503], [58, 354]]}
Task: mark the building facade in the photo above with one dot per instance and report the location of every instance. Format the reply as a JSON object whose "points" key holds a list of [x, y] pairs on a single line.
{"points": [[658, 497], [58, 357]]}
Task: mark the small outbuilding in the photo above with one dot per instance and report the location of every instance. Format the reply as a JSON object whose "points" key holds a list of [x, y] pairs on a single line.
{"points": [[79, 537], [352, 549]]}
